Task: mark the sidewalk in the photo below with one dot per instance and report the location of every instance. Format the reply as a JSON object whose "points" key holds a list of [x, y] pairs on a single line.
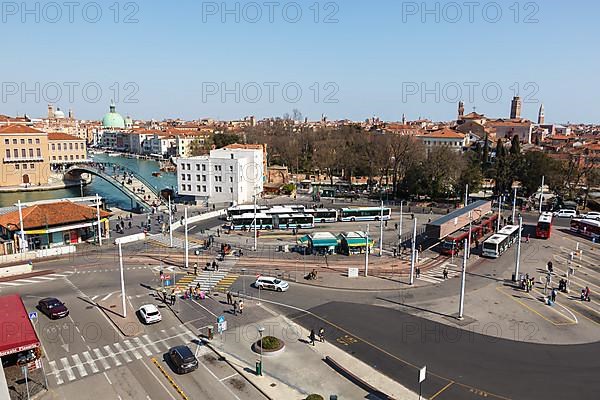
{"points": [[300, 369]]}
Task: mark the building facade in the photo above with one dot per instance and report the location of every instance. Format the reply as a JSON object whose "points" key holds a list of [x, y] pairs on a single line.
{"points": [[444, 138], [225, 176], [66, 149], [25, 158]]}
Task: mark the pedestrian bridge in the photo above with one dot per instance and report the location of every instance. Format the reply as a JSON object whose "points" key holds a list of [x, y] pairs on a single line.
{"points": [[143, 194]]}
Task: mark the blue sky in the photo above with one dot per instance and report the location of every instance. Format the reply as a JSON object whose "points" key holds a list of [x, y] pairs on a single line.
{"points": [[352, 59]]}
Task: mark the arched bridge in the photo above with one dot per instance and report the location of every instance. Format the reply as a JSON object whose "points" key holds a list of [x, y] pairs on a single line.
{"points": [[141, 192]]}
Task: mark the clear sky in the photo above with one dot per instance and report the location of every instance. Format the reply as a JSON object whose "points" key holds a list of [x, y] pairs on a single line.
{"points": [[349, 58]]}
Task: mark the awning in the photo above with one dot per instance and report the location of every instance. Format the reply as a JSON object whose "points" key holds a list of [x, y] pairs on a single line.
{"points": [[324, 242], [63, 228], [303, 240], [359, 242]]}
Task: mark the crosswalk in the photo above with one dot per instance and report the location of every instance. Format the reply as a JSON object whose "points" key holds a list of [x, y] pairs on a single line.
{"points": [[164, 240], [436, 274], [36, 279], [103, 358], [207, 280]]}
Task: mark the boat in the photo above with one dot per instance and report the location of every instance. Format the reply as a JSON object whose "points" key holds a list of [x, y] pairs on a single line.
{"points": [[156, 174]]}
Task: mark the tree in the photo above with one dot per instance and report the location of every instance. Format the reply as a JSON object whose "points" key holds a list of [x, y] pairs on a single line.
{"points": [[442, 170], [224, 139], [471, 174], [537, 164], [515, 146]]}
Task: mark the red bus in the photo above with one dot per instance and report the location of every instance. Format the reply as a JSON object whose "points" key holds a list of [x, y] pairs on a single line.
{"points": [[586, 227], [453, 243], [544, 226]]}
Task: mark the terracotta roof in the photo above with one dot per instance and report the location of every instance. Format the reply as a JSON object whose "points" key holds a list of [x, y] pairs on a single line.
{"points": [[510, 123], [559, 137], [473, 115], [61, 136], [445, 133], [18, 129], [51, 214]]}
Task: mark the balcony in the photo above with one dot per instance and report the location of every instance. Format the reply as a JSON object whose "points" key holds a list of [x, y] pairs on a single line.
{"points": [[17, 160]]}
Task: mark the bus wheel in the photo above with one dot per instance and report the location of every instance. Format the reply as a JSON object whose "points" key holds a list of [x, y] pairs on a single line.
{"points": [[352, 219], [377, 219], [322, 221]]}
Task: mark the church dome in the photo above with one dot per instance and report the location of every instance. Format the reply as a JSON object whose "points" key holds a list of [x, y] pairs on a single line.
{"points": [[59, 114], [113, 119], [128, 122]]}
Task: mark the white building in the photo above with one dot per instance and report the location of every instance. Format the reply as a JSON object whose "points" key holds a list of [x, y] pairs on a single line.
{"points": [[225, 176], [444, 137]]}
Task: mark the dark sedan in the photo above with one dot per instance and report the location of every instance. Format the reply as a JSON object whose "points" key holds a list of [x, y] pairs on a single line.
{"points": [[53, 308], [183, 359]]}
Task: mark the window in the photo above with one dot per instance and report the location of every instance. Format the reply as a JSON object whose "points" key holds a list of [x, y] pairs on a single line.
{"points": [[77, 146], [71, 156], [197, 167], [59, 146], [6, 141], [70, 146], [16, 153], [189, 177], [232, 156], [231, 179], [7, 153], [230, 190], [218, 189], [32, 166], [204, 188], [24, 166], [182, 188], [39, 152], [60, 158], [54, 158], [203, 167], [197, 188], [30, 152], [231, 168], [23, 153], [30, 141], [189, 188], [183, 177], [203, 178], [37, 140], [197, 177], [22, 141], [53, 146], [77, 156], [14, 141], [189, 167], [17, 166]]}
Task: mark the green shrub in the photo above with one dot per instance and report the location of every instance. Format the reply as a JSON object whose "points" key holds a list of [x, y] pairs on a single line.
{"points": [[314, 397], [270, 343]]}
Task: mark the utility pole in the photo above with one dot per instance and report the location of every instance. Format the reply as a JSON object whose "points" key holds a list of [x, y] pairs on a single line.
{"points": [[514, 205], [467, 195], [468, 248], [22, 243], [412, 254], [170, 223], [400, 228], [381, 231], [499, 211], [542, 194], [255, 232], [98, 215], [518, 261], [187, 246], [367, 252], [122, 282], [461, 306]]}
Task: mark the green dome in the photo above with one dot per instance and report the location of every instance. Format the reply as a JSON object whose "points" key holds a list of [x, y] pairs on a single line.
{"points": [[113, 119]]}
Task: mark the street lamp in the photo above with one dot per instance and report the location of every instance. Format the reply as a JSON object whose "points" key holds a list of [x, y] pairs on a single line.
{"points": [[260, 331]]}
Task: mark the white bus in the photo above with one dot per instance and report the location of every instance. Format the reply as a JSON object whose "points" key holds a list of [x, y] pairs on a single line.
{"points": [[246, 222], [293, 221], [364, 214], [512, 231], [243, 209], [495, 245], [298, 208], [323, 215], [279, 210]]}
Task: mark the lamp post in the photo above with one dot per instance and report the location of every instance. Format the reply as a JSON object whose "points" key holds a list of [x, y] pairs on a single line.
{"points": [[22, 243], [255, 232], [518, 260], [367, 252], [170, 223], [514, 205], [260, 331], [381, 231], [98, 216], [400, 228], [412, 254], [542, 194], [461, 306], [187, 257], [122, 282]]}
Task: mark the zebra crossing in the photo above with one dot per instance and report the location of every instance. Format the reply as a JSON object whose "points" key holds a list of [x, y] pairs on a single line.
{"points": [[436, 274], [103, 358], [36, 279], [164, 240], [206, 279]]}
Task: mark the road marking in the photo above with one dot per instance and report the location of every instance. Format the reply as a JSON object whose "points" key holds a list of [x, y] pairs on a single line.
{"points": [[106, 376], [132, 349], [221, 382], [93, 298], [122, 352], [90, 362], [67, 369], [536, 312], [228, 377], [150, 343], [142, 346], [56, 373], [112, 355], [106, 297], [102, 359], [79, 365], [159, 381], [441, 390]]}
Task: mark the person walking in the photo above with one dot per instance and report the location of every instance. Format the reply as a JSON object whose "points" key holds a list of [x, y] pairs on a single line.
{"points": [[235, 305], [241, 306], [311, 337], [322, 335], [553, 295], [445, 273], [195, 269], [229, 297], [418, 272]]}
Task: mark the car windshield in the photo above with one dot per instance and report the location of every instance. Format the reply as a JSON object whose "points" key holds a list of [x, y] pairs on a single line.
{"points": [[277, 281], [152, 313], [53, 304]]}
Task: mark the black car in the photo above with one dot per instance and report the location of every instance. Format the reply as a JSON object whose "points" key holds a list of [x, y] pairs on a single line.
{"points": [[183, 359], [53, 308]]}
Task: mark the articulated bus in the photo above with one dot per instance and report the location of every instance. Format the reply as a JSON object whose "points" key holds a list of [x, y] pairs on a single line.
{"points": [[544, 226], [323, 215], [246, 222], [293, 221], [495, 245], [586, 227], [364, 214], [243, 209], [512, 231], [453, 243]]}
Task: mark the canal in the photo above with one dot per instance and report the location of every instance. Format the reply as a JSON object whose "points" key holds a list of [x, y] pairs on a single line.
{"points": [[113, 196]]}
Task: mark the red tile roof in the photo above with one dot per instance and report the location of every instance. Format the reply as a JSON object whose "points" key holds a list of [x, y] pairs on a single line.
{"points": [[51, 214], [18, 129], [61, 136], [445, 133]]}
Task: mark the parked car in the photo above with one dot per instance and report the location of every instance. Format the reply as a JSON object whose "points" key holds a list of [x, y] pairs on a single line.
{"points": [[150, 314], [592, 215], [53, 308], [183, 359], [266, 282], [565, 213]]}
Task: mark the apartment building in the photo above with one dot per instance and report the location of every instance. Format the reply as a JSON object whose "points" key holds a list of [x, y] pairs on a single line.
{"points": [[24, 153]]}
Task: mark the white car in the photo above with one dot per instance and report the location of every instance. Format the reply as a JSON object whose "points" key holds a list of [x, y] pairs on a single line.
{"points": [[265, 282], [592, 215], [565, 214], [150, 314]]}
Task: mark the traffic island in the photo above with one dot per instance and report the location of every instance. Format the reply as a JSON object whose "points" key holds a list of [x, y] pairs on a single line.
{"points": [[268, 346], [130, 324]]}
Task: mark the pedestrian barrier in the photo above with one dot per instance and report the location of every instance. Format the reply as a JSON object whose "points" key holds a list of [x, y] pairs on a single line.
{"points": [[171, 381]]}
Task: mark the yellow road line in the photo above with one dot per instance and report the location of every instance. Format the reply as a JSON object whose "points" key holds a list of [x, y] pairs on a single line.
{"points": [[441, 390], [534, 311], [171, 380]]}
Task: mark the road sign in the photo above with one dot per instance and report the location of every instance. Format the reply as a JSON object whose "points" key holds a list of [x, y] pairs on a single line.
{"points": [[167, 276], [220, 319], [222, 326], [422, 374], [33, 315], [167, 283]]}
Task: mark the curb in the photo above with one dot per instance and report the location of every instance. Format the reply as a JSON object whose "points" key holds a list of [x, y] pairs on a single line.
{"points": [[27, 275], [171, 381]]}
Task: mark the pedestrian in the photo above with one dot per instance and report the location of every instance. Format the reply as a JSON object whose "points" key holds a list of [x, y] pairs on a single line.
{"points": [[229, 297], [322, 335], [420, 248], [550, 266], [311, 337], [528, 237], [241, 306], [129, 224], [445, 273], [195, 268], [418, 271], [395, 251], [235, 305], [553, 295], [173, 297], [396, 227], [412, 215]]}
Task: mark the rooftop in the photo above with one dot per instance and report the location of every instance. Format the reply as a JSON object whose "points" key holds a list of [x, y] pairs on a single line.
{"points": [[61, 136], [52, 214], [19, 129]]}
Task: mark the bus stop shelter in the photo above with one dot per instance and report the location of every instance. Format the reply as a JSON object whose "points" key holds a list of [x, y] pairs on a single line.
{"points": [[354, 243], [320, 242]]}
